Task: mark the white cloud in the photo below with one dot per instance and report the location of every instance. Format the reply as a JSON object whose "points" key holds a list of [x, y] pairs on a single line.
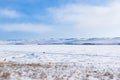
{"points": [[9, 13], [32, 28], [90, 18]]}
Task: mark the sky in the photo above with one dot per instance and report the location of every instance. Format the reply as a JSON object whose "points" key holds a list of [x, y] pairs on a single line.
{"points": [[38, 19]]}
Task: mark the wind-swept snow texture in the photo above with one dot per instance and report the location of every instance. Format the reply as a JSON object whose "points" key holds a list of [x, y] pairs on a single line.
{"points": [[59, 62]]}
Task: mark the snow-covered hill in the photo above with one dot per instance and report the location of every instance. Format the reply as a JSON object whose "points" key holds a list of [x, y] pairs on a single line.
{"points": [[68, 41]]}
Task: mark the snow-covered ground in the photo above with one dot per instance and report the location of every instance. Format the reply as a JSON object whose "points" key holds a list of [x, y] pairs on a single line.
{"points": [[61, 62], [60, 53]]}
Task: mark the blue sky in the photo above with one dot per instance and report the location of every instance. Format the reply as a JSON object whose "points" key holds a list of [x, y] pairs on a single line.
{"points": [[36, 19]]}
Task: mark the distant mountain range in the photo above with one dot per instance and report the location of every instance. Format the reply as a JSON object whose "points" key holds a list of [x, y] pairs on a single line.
{"points": [[64, 41]]}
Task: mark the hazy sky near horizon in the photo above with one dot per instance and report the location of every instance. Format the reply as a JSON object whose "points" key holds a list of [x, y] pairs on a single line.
{"points": [[35, 19]]}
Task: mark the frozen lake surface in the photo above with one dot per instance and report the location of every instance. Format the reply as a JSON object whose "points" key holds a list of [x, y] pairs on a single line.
{"points": [[60, 53]]}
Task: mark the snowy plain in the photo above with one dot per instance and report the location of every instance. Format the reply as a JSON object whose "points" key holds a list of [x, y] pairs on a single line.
{"points": [[60, 53], [82, 62]]}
